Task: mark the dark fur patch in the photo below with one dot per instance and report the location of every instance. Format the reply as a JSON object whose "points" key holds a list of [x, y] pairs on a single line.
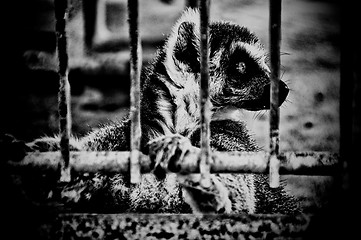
{"points": [[186, 48]]}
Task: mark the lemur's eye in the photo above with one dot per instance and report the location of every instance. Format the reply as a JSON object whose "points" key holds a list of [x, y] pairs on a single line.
{"points": [[241, 67]]}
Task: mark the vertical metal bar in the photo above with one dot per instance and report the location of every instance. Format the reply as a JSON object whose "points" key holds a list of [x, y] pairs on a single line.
{"points": [[204, 92], [275, 46], [135, 67], [350, 119], [64, 89], [347, 85]]}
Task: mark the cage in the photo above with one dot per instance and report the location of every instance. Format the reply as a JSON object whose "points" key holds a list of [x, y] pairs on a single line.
{"points": [[59, 223]]}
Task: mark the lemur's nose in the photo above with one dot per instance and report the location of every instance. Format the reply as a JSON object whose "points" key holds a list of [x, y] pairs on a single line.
{"points": [[283, 92]]}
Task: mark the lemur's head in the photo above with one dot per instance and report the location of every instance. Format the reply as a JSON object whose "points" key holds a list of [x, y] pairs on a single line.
{"points": [[239, 75]]}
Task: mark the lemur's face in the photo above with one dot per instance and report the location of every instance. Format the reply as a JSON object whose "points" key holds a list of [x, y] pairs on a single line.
{"points": [[239, 71], [239, 75]]}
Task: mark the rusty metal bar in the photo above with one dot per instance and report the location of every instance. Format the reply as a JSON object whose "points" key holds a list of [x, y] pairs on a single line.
{"points": [[135, 67], [298, 163], [275, 47], [205, 114], [64, 89]]}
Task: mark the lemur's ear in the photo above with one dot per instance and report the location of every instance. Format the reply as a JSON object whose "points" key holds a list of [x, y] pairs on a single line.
{"points": [[186, 47], [181, 49]]}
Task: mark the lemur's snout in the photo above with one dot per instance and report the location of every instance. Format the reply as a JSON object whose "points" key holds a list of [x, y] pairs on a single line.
{"points": [[282, 94], [264, 101]]}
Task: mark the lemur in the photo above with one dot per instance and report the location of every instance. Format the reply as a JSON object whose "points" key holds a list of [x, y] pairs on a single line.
{"points": [[170, 114]]}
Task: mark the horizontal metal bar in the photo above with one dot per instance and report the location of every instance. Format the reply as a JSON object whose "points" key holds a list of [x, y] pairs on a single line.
{"points": [[301, 163], [82, 161]]}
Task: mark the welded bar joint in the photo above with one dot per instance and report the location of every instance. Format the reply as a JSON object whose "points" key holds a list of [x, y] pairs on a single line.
{"points": [[275, 46], [64, 88], [205, 111], [135, 67]]}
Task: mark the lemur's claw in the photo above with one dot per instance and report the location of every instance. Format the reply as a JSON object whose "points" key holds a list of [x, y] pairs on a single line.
{"points": [[166, 152]]}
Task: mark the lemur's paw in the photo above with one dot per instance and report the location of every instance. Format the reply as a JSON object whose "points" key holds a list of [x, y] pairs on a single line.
{"points": [[12, 148], [209, 198], [167, 151]]}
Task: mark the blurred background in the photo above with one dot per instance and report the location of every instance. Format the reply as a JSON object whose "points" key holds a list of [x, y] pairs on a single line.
{"points": [[99, 69]]}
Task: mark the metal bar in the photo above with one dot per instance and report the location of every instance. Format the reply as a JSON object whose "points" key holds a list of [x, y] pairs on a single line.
{"points": [[64, 89], [298, 163], [275, 46], [205, 114], [135, 67], [346, 199]]}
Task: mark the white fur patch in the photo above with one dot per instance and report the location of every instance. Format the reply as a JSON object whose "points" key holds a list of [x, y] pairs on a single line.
{"points": [[187, 118], [228, 113], [216, 60], [248, 189], [165, 109]]}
